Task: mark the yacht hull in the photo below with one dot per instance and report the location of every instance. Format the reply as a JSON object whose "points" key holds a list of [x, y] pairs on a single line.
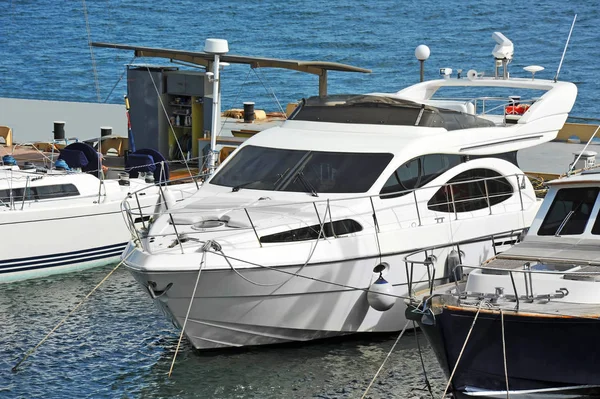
{"points": [[542, 359], [259, 306]]}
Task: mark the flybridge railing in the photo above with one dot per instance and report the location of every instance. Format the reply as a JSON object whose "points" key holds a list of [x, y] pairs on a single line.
{"points": [[481, 105], [402, 209]]}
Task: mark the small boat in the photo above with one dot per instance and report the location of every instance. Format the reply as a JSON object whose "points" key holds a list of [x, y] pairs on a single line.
{"points": [[525, 324], [66, 218], [301, 233]]}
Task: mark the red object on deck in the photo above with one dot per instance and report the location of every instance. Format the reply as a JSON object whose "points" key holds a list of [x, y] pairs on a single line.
{"points": [[516, 109]]}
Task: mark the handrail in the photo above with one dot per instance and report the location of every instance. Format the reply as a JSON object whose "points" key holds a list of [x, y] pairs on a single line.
{"points": [[476, 100], [28, 178], [427, 262], [24, 193], [526, 270], [373, 209], [344, 197]]}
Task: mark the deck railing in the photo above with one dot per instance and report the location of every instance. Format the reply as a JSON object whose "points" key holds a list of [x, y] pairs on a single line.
{"points": [[405, 207], [489, 105], [523, 270]]}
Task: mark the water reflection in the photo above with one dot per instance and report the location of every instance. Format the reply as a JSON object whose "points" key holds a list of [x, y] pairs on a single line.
{"points": [[119, 345]]}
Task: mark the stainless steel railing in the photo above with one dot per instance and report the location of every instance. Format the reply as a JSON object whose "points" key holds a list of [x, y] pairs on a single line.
{"points": [[375, 205]]}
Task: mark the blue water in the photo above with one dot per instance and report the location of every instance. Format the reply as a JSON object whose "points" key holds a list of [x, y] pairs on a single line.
{"points": [[118, 345], [44, 52]]}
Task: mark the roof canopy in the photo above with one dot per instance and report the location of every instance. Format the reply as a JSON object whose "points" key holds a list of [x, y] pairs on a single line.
{"points": [[319, 68]]}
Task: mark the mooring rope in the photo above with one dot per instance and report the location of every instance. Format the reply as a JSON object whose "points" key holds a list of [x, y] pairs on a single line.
{"points": [[504, 354], [89, 37], [291, 275], [207, 245], [427, 384], [274, 268], [270, 92], [385, 360], [235, 100], [15, 368], [462, 350]]}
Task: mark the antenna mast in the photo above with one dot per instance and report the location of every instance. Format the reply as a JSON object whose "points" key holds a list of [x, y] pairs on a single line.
{"points": [[565, 50]]}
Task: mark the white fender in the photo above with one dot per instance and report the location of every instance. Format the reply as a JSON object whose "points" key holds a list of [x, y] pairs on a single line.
{"points": [[380, 296]]}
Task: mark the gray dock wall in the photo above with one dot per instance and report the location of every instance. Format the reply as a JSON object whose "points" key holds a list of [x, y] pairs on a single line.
{"points": [[33, 120]]}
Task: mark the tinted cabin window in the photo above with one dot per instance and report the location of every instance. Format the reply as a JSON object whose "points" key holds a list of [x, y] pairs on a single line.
{"points": [[39, 193], [261, 168], [507, 156], [330, 172], [467, 192], [258, 168], [569, 212], [337, 228], [56, 191], [417, 172], [596, 227]]}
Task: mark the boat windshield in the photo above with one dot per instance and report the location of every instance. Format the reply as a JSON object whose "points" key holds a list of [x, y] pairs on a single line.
{"points": [[274, 169]]}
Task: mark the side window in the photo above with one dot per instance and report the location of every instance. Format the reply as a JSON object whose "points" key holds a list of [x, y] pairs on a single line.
{"points": [[569, 212], [38, 193], [17, 195], [337, 228], [471, 190], [55, 191], [417, 172]]}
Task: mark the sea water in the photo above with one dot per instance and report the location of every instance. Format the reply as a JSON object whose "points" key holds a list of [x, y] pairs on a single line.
{"points": [[117, 345], [44, 52]]}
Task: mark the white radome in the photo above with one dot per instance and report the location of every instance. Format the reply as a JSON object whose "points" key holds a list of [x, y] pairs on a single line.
{"points": [[422, 52]]}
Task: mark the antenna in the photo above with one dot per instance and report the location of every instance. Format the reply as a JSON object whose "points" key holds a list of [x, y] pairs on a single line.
{"points": [[565, 50]]}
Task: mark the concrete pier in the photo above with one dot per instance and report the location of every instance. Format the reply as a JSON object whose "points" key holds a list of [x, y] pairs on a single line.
{"points": [[33, 120]]}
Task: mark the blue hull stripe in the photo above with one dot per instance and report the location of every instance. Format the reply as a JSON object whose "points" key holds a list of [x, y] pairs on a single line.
{"points": [[62, 259]]}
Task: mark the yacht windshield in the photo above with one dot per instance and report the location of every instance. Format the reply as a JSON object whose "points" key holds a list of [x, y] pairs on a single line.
{"points": [[274, 169]]}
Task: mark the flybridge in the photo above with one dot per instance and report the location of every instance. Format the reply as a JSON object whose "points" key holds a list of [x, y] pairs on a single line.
{"points": [[379, 110]]}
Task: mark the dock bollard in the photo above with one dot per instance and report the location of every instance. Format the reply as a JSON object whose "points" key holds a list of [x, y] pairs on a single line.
{"points": [[249, 112], [105, 131], [59, 130]]}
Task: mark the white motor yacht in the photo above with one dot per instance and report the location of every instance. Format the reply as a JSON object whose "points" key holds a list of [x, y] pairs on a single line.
{"points": [[302, 232]]}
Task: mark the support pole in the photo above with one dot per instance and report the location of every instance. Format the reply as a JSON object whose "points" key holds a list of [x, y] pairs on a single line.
{"points": [[212, 165], [217, 47], [323, 83]]}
